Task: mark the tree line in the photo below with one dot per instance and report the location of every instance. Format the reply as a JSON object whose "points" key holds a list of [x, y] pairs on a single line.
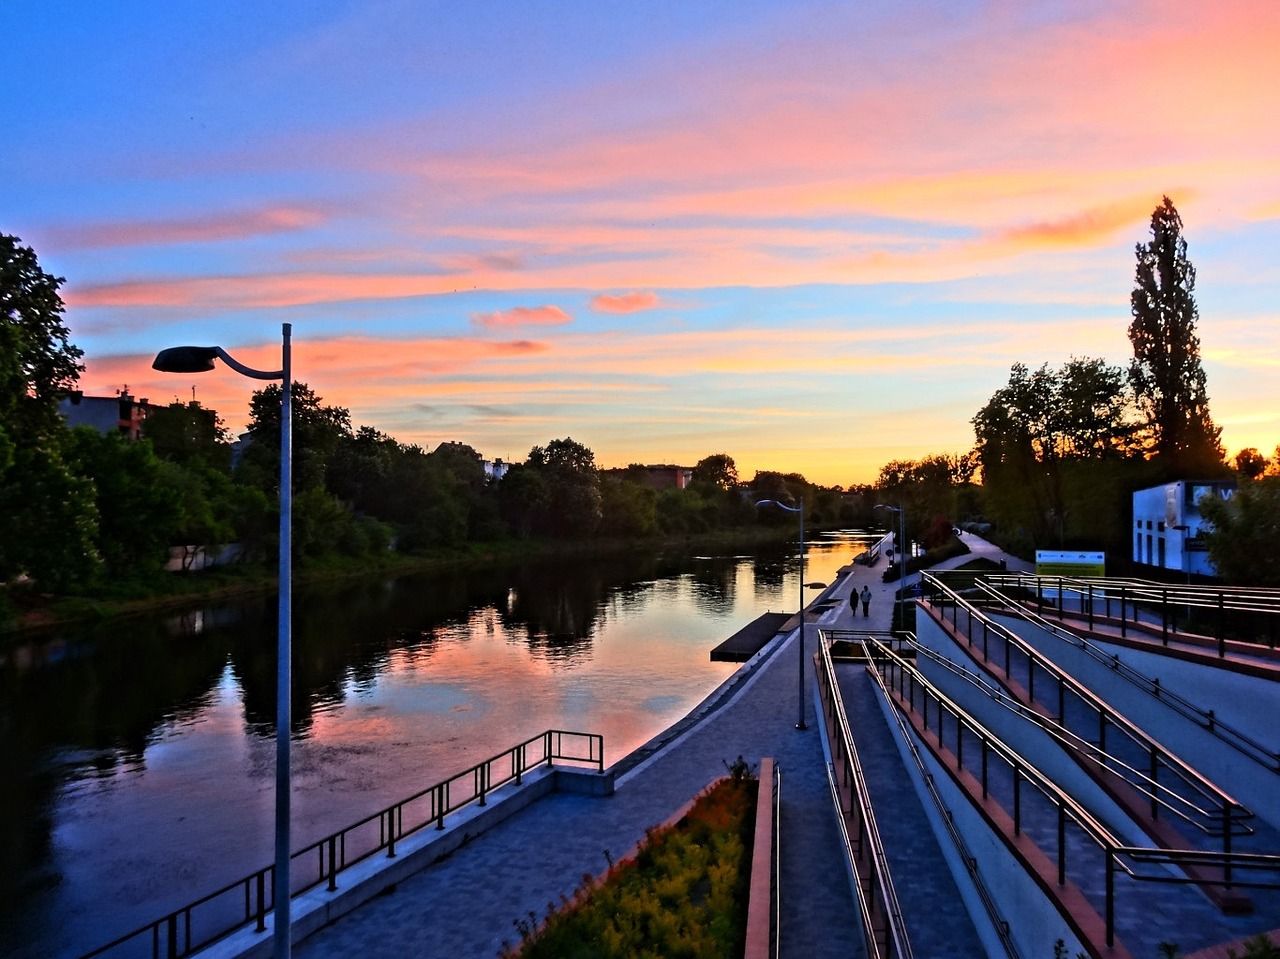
{"points": [[1060, 451]]}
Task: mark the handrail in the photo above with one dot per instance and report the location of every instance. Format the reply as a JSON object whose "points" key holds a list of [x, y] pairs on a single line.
{"points": [[1232, 812], [1168, 598], [992, 745], [876, 893], [1118, 855], [989, 905], [249, 900], [1154, 790], [1206, 719]]}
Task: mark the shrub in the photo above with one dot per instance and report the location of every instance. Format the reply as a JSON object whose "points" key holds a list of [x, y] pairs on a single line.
{"points": [[683, 895]]}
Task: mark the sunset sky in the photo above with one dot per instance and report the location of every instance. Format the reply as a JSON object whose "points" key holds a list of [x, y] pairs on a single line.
{"points": [[812, 235]]}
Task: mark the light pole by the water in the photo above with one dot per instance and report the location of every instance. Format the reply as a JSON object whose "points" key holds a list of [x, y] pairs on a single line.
{"points": [[199, 359], [800, 723], [902, 549]]}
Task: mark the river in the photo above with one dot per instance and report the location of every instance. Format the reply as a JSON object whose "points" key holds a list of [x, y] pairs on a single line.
{"points": [[139, 757]]}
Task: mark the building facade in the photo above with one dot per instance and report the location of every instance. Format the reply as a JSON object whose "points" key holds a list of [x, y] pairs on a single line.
{"points": [[1167, 525]]}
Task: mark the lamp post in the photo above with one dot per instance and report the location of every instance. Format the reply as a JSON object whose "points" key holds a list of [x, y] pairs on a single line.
{"points": [[199, 359], [902, 546], [800, 723]]}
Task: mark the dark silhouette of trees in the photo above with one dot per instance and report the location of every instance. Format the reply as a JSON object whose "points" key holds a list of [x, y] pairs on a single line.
{"points": [[1167, 377]]}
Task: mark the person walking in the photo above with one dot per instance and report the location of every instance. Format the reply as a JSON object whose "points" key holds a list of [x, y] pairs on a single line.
{"points": [[866, 599]]}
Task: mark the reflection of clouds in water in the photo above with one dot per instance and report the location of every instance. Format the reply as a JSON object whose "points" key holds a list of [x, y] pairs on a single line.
{"points": [[662, 704]]}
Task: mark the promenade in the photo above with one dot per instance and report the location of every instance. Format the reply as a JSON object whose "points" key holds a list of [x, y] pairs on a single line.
{"points": [[467, 905]]}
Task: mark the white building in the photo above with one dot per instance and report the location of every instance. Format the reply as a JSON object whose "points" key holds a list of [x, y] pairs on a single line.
{"points": [[1167, 525]]}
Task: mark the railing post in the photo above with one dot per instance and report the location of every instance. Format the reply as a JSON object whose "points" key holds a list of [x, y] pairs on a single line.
{"points": [[261, 924], [1222, 626], [983, 742], [333, 863], [391, 831], [171, 937], [1124, 617], [1226, 843], [1164, 617], [1017, 800], [1111, 896], [1062, 843], [1155, 782], [442, 798], [1091, 605]]}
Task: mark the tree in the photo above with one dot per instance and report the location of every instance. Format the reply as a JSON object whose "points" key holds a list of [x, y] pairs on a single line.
{"points": [[47, 516], [1167, 378], [138, 515], [1250, 463], [38, 363], [717, 470], [1243, 533], [318, 430], [1039, 421], [188, 433], [572, 486]]}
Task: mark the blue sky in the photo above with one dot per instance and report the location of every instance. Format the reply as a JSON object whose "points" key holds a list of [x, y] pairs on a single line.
{"points": [[814, 236]]}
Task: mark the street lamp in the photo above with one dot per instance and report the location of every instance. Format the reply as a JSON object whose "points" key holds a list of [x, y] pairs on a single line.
{"points": [[199, 359], [902, 545], [800, 723]]}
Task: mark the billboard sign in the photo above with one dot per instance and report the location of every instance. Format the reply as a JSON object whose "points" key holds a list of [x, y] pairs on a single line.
{"points": [[1070, 562]]}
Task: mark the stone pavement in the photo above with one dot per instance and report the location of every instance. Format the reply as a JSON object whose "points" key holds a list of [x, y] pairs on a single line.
{"points": [[468, 904]]}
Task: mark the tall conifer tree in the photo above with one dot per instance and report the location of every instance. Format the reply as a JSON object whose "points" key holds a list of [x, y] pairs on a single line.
{"points": [[1167, 378]]}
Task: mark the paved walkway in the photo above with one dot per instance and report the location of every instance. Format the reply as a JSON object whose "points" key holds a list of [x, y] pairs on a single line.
{"points": [[467, 905]]}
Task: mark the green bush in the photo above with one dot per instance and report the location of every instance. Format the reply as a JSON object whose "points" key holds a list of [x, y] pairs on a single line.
{"points": [[684, 894]]}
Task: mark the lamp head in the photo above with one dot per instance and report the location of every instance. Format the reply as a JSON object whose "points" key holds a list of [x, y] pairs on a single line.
{"points": [[185, 359]]}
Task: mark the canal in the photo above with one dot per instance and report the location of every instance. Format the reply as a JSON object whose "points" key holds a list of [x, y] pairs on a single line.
{"points": [[138, 756]]}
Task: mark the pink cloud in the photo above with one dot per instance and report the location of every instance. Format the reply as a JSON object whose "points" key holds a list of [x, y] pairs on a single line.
{"points": [[634, 302], [522, 316], [233, 225], [1087, 228]]}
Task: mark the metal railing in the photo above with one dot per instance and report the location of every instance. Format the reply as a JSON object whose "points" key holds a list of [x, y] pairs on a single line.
{"points": [[1219, 814], [1249, 615], [904, 683], [1206, 719], [882, 922], [250, 900], [998, 922], [1162, 799]]}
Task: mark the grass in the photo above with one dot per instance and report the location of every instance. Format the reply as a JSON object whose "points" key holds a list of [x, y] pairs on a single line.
{"points": [[684, 894]]}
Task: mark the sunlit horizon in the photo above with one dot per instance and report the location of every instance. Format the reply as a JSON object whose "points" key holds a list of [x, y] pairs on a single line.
{"points": [[814, 236]]}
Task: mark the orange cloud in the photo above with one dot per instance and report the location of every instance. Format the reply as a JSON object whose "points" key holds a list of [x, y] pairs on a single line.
{"points": [[222, 226], [634, 302], [522, 316]]}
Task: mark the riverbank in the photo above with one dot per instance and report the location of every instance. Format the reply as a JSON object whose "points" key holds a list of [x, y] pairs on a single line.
{"points": [[22, 614]]}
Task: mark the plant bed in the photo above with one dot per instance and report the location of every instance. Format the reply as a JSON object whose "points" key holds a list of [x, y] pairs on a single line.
{"points": [[683, 893]]}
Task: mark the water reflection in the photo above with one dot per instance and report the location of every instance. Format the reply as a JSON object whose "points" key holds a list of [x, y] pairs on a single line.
{"points": [[147, 745]]}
